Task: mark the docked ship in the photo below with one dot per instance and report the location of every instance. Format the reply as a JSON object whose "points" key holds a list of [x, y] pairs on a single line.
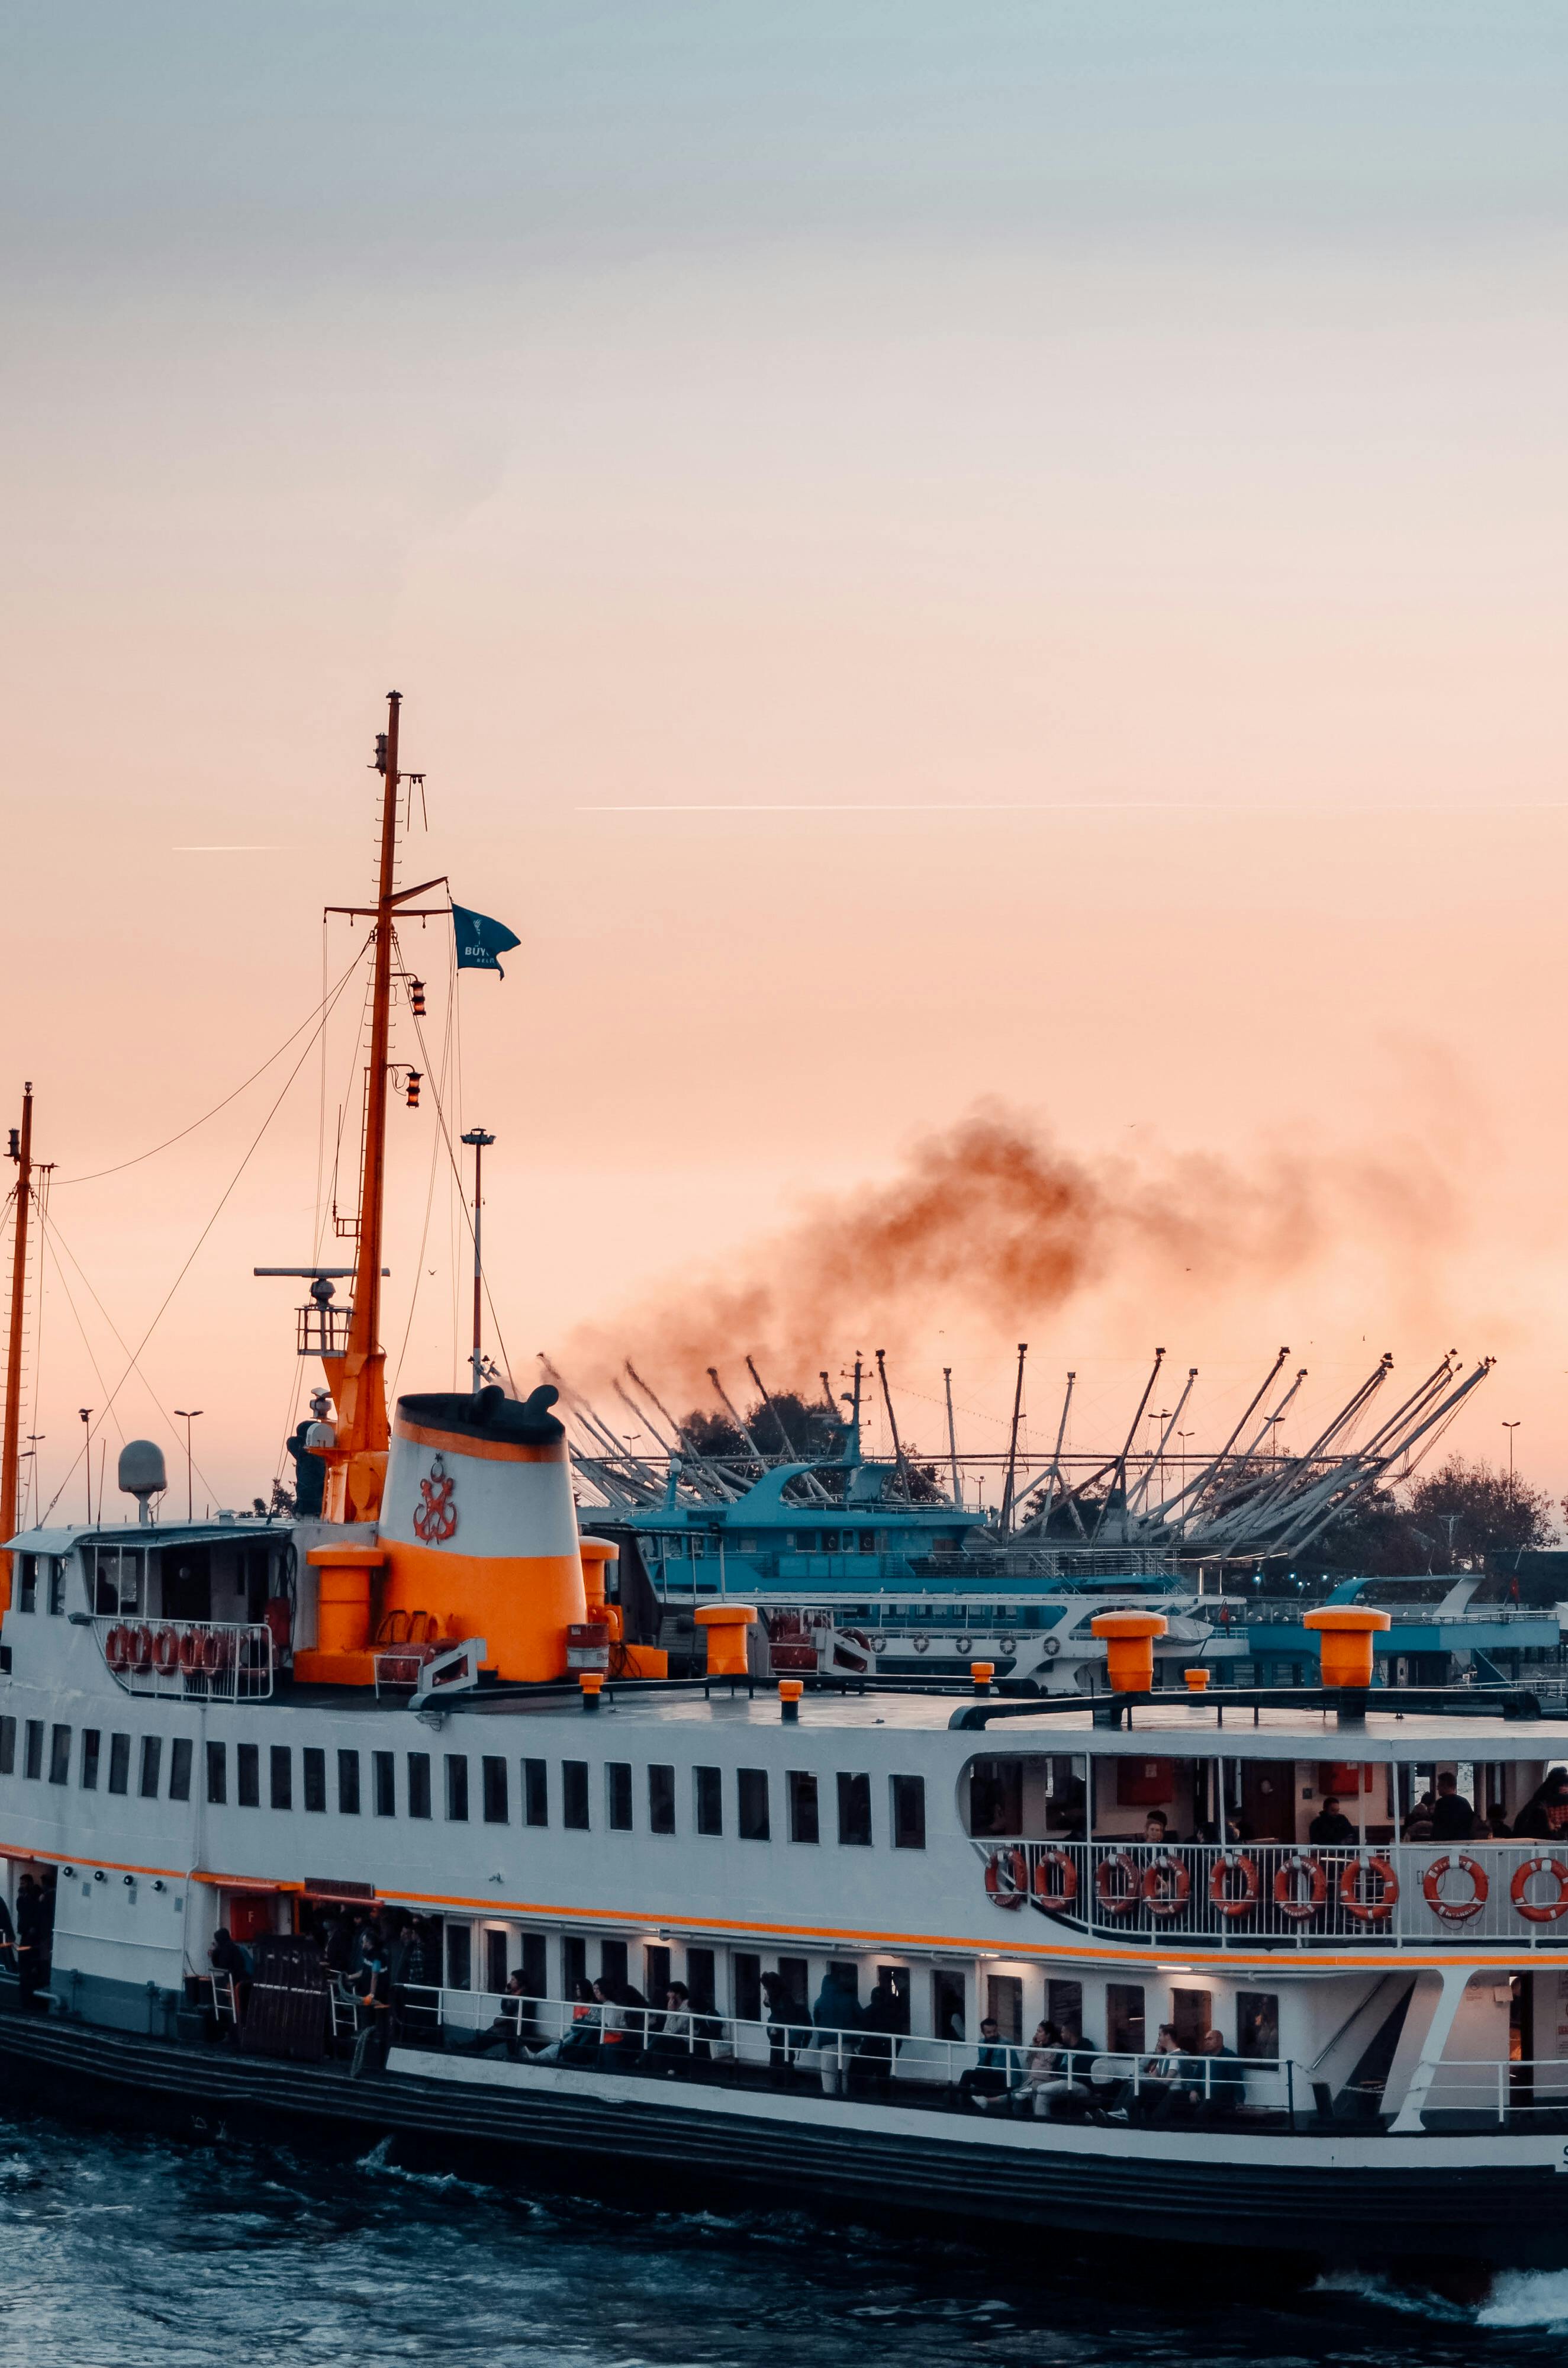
{"points": [[1249, 1966]]}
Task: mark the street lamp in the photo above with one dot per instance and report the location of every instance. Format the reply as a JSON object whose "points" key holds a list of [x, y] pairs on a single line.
{"points": [[480, 1142], [189, 1493], [1511, 1427]]}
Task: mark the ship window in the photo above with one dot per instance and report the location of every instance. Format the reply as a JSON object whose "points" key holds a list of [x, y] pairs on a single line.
{"points": [[383, 1777], [1005, 2004], [460, 1956], [532, 1966], [33, 1763], [710, 1797], [1064, 2006], [656, 1974], [574, 1794], [418, 1783], [854, 1808], [281, 1776], [574, 1963], [55, 1571], [745, 1976], [60, 1756], [1124, 2025], [909, 1813], [803, 1789], [217, 1774], [613, 1966], [948, 2005], [495, 1959], [617, 1795], [660, 1800], [348, 1784], [181, 1752], [456, 1788], [1191, 2014], [151, 1761], [7, 1747], [536, 1792], [996, 1796], [700, 1980], [90, 1759], [118, 1763], [247, 1760], [26, 1598], [313, 1766], [1257, 2024], [868, 1542], [751, 1795], [119, 1579], [494, 1773]]}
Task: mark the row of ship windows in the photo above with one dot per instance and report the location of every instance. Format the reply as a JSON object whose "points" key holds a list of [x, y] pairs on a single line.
{"points": [[49, 1750]]}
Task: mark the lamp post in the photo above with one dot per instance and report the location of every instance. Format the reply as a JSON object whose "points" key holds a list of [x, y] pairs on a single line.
{"points": [[480, 1142], [1511, 1427], [189, 1490], [87, 1414]]}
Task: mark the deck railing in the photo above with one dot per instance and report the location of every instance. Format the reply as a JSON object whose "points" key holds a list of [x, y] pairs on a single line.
{"points": [[1511, 1895], [188, 1660]]}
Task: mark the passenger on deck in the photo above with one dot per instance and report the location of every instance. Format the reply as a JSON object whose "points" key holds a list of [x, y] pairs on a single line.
{"points": [[579, 2042], [8, 1940], [837, 2008], [789, 2026], [1545, 1814], [1418, 1825], [1159, 2080], [670, 2047], [1156, 1826], [1039, 2067], [623, 2024], [32, 1938], [1453, 1818], [340, 1951], [1216, 2086], [987, 2075], [372, 1988], [1331, 1827], [505, 2031]]}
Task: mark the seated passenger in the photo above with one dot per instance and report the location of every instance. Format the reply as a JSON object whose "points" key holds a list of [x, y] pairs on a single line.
{"points": [[505, 2031], [669, 2048], [1217, 2084], [1156, 1826], [1545, 1814], [1331, 1827], [1158, 2080], [1039, 2067], [1453, 1818], [987, 2075], [624, 2025], [579, 2042]]}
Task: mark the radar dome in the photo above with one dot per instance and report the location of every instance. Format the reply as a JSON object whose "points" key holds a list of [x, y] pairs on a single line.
{"points": [[142, 1472]]}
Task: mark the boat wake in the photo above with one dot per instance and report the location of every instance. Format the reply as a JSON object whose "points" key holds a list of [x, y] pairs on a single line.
{"points": [[1527, 2298], [1517, 2299]]}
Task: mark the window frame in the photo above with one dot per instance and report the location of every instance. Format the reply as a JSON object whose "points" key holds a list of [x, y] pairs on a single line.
{"points": [[752, 1794]]}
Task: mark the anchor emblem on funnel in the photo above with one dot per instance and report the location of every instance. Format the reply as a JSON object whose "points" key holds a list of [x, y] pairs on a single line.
{"points": [[436, 1516]]}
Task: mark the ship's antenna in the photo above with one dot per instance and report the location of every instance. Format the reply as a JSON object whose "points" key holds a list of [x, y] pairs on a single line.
{"points": [[22, 1153], [952, 1438], [893, 1425], [1004, 1520]]}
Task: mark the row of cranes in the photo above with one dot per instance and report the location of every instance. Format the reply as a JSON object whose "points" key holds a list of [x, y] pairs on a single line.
{"points": [[1248, 1499]]}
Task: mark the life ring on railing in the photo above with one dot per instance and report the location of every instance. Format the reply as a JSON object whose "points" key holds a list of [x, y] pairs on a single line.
{"points": [[1368, 1911], [142, 1646], [1044, 1897], [217, 1651], [1118, 1903], [1286, 1897], [165, 1652], [190, 1651], [1229, 1903], [1015, 1891], [117, 1647], [1529, 1909], [1456, 1911], [921, 1643], [1156, 1899]]}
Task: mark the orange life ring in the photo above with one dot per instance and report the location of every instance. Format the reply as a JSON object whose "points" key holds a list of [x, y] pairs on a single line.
{"points": [[189, 1650], [1044, 1897], [1537, 1915], [1456, 1911], [117, 1647], [142, 1646], [1227, 1903], [165, 1652], [217, 1651], [1015, 1890], [1286, 1897], [1156, 1899], [1118, 1903], [1368, 1911]]}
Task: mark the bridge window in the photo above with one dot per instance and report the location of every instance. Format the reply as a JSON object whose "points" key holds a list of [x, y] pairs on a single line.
{"points": [[217, 1772], [419, 1783], [27, 1593], [348, 1784], [660, 1800], [802, 1790], [574, 1794], [708, 1785], [909, 1813], [492, 1772], [118, 1763], [53, 1570], [181, 1753], [384, 1781], [60, 1756], [247, 1774], [996, 1796], [282, 1776], [751, 1795], [617, 1795], [457, 1789], [853, 1809], [536, 1792], [313, 1769], [151, 1757], [90, 1741]]}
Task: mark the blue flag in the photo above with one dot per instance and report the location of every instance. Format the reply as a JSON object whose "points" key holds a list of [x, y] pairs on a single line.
{"points": [[480, 941]]}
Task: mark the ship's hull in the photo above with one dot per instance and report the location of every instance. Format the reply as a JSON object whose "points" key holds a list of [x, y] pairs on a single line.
{"points": [[1336, 2198]]}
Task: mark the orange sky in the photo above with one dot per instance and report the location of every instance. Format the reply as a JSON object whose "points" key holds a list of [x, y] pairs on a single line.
{"points": [[1150, 509]]}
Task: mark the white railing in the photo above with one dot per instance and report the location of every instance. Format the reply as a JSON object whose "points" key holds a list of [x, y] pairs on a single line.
{"points": [[186, 1660], [1511, 1895], [1498, 2091]]}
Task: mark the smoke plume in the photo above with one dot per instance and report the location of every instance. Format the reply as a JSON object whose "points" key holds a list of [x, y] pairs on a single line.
{"points": [[992, 1226]]}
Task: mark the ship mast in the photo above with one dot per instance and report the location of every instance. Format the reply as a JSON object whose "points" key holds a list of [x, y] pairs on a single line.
{"points": [[22, 1153]]}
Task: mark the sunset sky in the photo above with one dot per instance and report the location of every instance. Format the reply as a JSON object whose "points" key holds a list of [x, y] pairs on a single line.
{"points": [[939, 558]]}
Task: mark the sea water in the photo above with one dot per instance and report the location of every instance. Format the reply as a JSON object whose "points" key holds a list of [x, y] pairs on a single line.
{"points": [[136, 2252]]}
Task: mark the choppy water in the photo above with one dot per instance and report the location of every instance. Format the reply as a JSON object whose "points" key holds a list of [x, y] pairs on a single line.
{"points": [[133, 2252]]}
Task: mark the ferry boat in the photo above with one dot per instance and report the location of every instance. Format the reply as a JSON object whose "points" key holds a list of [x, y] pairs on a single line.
{"points": [[827, 1917]]}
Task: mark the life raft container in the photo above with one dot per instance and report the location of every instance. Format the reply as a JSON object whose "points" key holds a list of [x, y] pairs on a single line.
{"points": [[1536, 1912], [1456, 1911], [1288, 1900], [1368, 1911], [1046, 1897], [1167, 1886], [1007, 1878], [1118, 1903], [1231, 1903]]}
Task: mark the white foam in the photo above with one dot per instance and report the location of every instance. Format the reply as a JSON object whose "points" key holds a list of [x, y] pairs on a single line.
{"points": [[1527, 2298]]}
